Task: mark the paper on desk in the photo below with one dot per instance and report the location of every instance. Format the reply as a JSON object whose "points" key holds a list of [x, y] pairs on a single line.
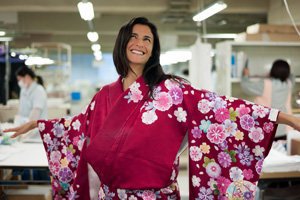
{"points": [[279, 162]]}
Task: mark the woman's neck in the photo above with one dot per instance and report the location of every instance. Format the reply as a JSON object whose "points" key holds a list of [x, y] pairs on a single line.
{"points": [[129, 79]]}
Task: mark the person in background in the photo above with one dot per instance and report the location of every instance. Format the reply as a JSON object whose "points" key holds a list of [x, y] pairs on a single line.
{"points": [[273, 91], [33, 97], [126, 143]]}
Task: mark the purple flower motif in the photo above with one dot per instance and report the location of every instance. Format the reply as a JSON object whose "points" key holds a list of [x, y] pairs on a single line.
{"points": [[247, 122], [248, 195], [224, 159], [246, 158], [65, 175], [58, 129], [223, 145], [176, 94], [211, 95], [196, 132], [205, 194]]}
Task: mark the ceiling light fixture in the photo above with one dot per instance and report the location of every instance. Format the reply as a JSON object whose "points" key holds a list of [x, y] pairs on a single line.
{"points": [[86, 10], [2, 33], [96, 47], [93, 36], [209, 11]]}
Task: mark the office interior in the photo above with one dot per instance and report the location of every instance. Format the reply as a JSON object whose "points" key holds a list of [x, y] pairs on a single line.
{"points": [[72, 51]]}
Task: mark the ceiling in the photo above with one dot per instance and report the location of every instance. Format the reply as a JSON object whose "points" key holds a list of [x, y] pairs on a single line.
{"points": [[59, 21]]}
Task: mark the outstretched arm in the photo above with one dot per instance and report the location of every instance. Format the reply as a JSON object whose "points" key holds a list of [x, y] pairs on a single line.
{"points": [[289, 120], [24, 128]]}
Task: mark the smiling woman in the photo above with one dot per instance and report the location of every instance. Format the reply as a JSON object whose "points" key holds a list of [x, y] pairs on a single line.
{"points": [[126, 143]]}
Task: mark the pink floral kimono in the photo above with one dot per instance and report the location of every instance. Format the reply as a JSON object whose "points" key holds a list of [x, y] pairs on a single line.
{"points": [[132, 141]]}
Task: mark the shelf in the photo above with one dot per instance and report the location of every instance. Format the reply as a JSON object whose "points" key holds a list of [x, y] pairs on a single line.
{"points": [[262, 43]]}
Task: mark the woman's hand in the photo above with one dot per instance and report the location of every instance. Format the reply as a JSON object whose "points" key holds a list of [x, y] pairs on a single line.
{"points": [[24, 128]]}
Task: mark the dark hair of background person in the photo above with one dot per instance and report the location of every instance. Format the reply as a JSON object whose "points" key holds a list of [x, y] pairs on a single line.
{"points": [[23, 71], [280, 70], [152, 72]]}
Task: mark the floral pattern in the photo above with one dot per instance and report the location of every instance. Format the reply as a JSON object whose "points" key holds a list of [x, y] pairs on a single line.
{"points": [[228, 141]]}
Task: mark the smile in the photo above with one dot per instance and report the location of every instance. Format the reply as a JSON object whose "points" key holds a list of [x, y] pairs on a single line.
{"points": [[137, 52]]}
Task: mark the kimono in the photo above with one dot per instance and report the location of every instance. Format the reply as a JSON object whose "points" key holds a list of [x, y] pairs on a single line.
{"points": [[132, 141]]}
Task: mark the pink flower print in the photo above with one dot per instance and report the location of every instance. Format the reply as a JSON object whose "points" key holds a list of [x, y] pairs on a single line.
{"points": [[224, 159], [222, 114], [55, 156], [216, 133], [196, 132], [65, 175], [54, 167], [268, 127], [195, 153], [204, 106], [222, 184], [258, 166], [176, 94], [256, 134], [247, 122], [170, 84], [149, 117], [213, 169], [243, 110], [248, 174], [163, 101], [260, 111], [148, 195], [136, 96]]}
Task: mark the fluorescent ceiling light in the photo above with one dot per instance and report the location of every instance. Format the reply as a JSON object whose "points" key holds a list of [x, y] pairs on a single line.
{"points": [[86, 10], [211, 10], [93, 36], [96, 47], [175, 56], [221, 35], [98, 55], [36, 60], [2, 33], [5, 39]]}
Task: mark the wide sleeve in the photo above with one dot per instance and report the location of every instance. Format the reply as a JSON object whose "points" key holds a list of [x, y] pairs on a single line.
{"points": [[64, 140], [228, 141]]}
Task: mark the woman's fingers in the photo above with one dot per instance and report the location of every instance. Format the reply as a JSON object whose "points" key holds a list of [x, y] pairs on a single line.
{"points": [[11, 130]]}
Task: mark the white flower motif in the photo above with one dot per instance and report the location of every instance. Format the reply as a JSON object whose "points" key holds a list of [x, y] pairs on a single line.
{"points": [[213, 169], [258, 151], [196, 181], [92, 105], [204, 106], [76, 125], [122, 194], [170, 83], [211, 183], [230, 127], [180, 114], [173, 175], [55, 156], [134, 87], [41, 126], [47, 138], [195, 153], [132, 198], [236, 174], [260, 111], [149, 117]]}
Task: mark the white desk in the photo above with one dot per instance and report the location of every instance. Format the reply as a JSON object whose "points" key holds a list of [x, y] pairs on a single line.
{"points": [[23, 155]]}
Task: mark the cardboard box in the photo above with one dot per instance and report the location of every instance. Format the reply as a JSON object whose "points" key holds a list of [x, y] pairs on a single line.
{"points": [[267, 37], [295, 146], [271, 28]]}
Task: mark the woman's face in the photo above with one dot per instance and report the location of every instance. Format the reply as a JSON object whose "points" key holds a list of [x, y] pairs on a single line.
{"points": [[140, 45], [24, 81]]}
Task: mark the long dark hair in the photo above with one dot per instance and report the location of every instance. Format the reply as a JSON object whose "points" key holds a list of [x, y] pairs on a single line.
{"points": [[152, 72], [280, 70]]}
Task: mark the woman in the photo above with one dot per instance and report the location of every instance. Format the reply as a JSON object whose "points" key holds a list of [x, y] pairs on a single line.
{"points": [[33, 97], [134, 129], [274, 91]]}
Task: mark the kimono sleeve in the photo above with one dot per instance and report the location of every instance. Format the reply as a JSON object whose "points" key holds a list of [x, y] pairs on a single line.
{"points": [[63, 140], [228, 141]]}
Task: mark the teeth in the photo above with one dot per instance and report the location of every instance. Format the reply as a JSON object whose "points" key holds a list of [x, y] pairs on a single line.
{"points": [[137, 52]]}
